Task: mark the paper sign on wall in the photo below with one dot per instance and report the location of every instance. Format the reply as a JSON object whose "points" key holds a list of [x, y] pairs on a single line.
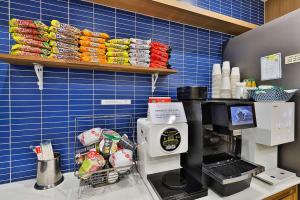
{"points": [[271, 67]]}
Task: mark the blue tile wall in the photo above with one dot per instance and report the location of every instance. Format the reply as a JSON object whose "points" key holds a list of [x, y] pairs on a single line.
{"points": [[28, 115]]}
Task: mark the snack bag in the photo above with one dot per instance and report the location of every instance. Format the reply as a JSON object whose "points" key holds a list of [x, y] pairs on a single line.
{"points": [[90, 136], [139, 51], [63, 45], [118, 62], [159, 45], [28, 24], [26, 53], [158, 58], [139, 55], [92, 39], [117, 54], [138, 63], [64, 32], [139, 41], [118, 59], [120, 41], [66, 27], [121, 158], [93, 59], [32, 31], [137, 46], [59, 50], [42, 38], [64, 57], [107, 147], [96, 56], [89, 33], [117, 46], [27, 48], [92, 50], [90, 54], [92, 163], [111, 49], [91, 44], [62, 38], [33, 43], [160, 53], [145, 60]]}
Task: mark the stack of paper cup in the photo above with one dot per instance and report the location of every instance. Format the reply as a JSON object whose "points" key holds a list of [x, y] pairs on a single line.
{"points": [[225, 83], [216, 81], [234, 78]]}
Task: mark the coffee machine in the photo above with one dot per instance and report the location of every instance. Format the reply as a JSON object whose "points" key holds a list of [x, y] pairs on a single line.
{"points": [[213, 155]]}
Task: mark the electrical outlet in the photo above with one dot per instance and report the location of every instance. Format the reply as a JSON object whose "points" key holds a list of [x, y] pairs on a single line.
{"points": [[292, 59]]}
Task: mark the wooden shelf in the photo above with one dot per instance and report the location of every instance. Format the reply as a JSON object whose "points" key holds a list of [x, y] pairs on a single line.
{"points": [[30, 61], [182, 12]]}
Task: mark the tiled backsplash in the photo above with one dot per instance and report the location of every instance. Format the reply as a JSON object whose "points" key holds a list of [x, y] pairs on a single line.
{"points": [[28, 115]]}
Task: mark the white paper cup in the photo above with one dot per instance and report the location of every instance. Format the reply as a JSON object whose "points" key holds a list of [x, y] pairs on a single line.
{"points": [[216, 69]]}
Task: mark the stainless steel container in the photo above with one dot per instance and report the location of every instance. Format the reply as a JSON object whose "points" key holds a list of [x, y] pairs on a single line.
{"points": [[48, 173]]}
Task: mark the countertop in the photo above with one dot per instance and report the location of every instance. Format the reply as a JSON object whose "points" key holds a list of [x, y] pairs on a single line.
{"points": [[130, 188]]}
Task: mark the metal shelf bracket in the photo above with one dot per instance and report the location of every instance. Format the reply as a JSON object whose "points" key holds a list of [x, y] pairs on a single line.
{"points": [[154, 80], [39, 71]]}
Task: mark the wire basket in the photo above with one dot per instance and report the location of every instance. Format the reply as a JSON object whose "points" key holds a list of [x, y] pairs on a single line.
{"points": [[272, 94], [122, 124]]}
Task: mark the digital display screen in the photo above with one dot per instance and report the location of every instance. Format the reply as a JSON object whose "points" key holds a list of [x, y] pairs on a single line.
{"points": [[241, 115]]}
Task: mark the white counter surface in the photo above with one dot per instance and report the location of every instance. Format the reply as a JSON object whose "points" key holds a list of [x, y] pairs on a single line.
{"points": [[130, 188]]}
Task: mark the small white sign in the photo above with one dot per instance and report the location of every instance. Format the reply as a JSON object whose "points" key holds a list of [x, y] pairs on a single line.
{"points": [[292, 59], [271, 67], [166, 113], [115, 102]]}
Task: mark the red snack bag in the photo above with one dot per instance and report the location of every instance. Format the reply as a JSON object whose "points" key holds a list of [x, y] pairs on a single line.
{"points": [[155, 65], [42, 38], [155, 57], [159, 44], [33, 43], [160, 53], [27, 48], [26, 31]]}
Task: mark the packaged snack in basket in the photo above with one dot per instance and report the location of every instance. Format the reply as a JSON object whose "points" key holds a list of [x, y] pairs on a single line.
{"points": [[64, 32], [28, 24], [123, 41], [92, 50], [59, 50], [139, 41], [89, 33], [117, 54], [122, 158], [92, 39], [107, 147], [92, 163], [27, 48], [111, 134], [33, 43], [63, 45], [26, 53], [32, 31], [117, 46], [118, 59], [126, 143], [137, 46], [111, 49], [92, 44], [90, 136], [66, 27], [62, 38], [42, 38]]}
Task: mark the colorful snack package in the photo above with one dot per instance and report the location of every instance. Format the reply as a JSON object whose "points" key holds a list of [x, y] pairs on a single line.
{"points": [[42, 38], [59, 50], [64, 32], [117, 54], [159, 45], [118, 59], [27, 48], [27, 31], [162, 49], [146, 60], [117, 46], [64, 57], [137, 46], [118, 62], [92, 39], [90, 136], [140, 55], [33, 43], [123, 41], [89, 33], [111, 49], [160, 53], [28, 24], [139, 51], [158, 58], [92, 163], [87, 54], [92, 50], [86, 57], [91, 44], [64, 26], [93, 59], [62, 38], [155, 65], [159, 63], [26, 53], [137, 63], [140, 42], [63, 45]]}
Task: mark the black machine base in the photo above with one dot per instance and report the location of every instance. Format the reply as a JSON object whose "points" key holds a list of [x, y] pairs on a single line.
{"points": [[176, 185]]}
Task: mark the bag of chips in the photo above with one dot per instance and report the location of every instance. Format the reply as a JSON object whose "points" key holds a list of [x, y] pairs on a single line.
{"points": [[89, 33], [117, 54], [63, 31], [66, 27], [32, 31], [33, 43], [92, 50], [59, 50], [42, 38], [118, 59], [93, 59], [123, 41], [28, 24], [27, 48], [91, 44], [117, 46], [26, 53], [111, 49], [139, 41], [63, 45], [92, 39], [138, 46], [62, 38]]}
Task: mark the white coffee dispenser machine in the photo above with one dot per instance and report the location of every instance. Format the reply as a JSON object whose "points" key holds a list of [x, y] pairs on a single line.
{"points": [[275, 126]]}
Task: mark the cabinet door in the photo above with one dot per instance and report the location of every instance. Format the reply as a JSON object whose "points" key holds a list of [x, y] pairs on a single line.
{"points": [[288, 194]]}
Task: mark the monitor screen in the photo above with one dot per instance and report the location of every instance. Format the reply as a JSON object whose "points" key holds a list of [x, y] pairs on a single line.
{"points": [[241, 115]]}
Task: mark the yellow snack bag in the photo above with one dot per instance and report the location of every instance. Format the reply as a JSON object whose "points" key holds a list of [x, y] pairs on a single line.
{"points": [[92, 50], [111, 49], [117, 54], [117, 46], [117, 59], [120, 41]]}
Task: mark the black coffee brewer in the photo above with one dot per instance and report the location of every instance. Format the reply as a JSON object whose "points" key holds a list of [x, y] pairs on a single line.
{"points": [[214, 148]]}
